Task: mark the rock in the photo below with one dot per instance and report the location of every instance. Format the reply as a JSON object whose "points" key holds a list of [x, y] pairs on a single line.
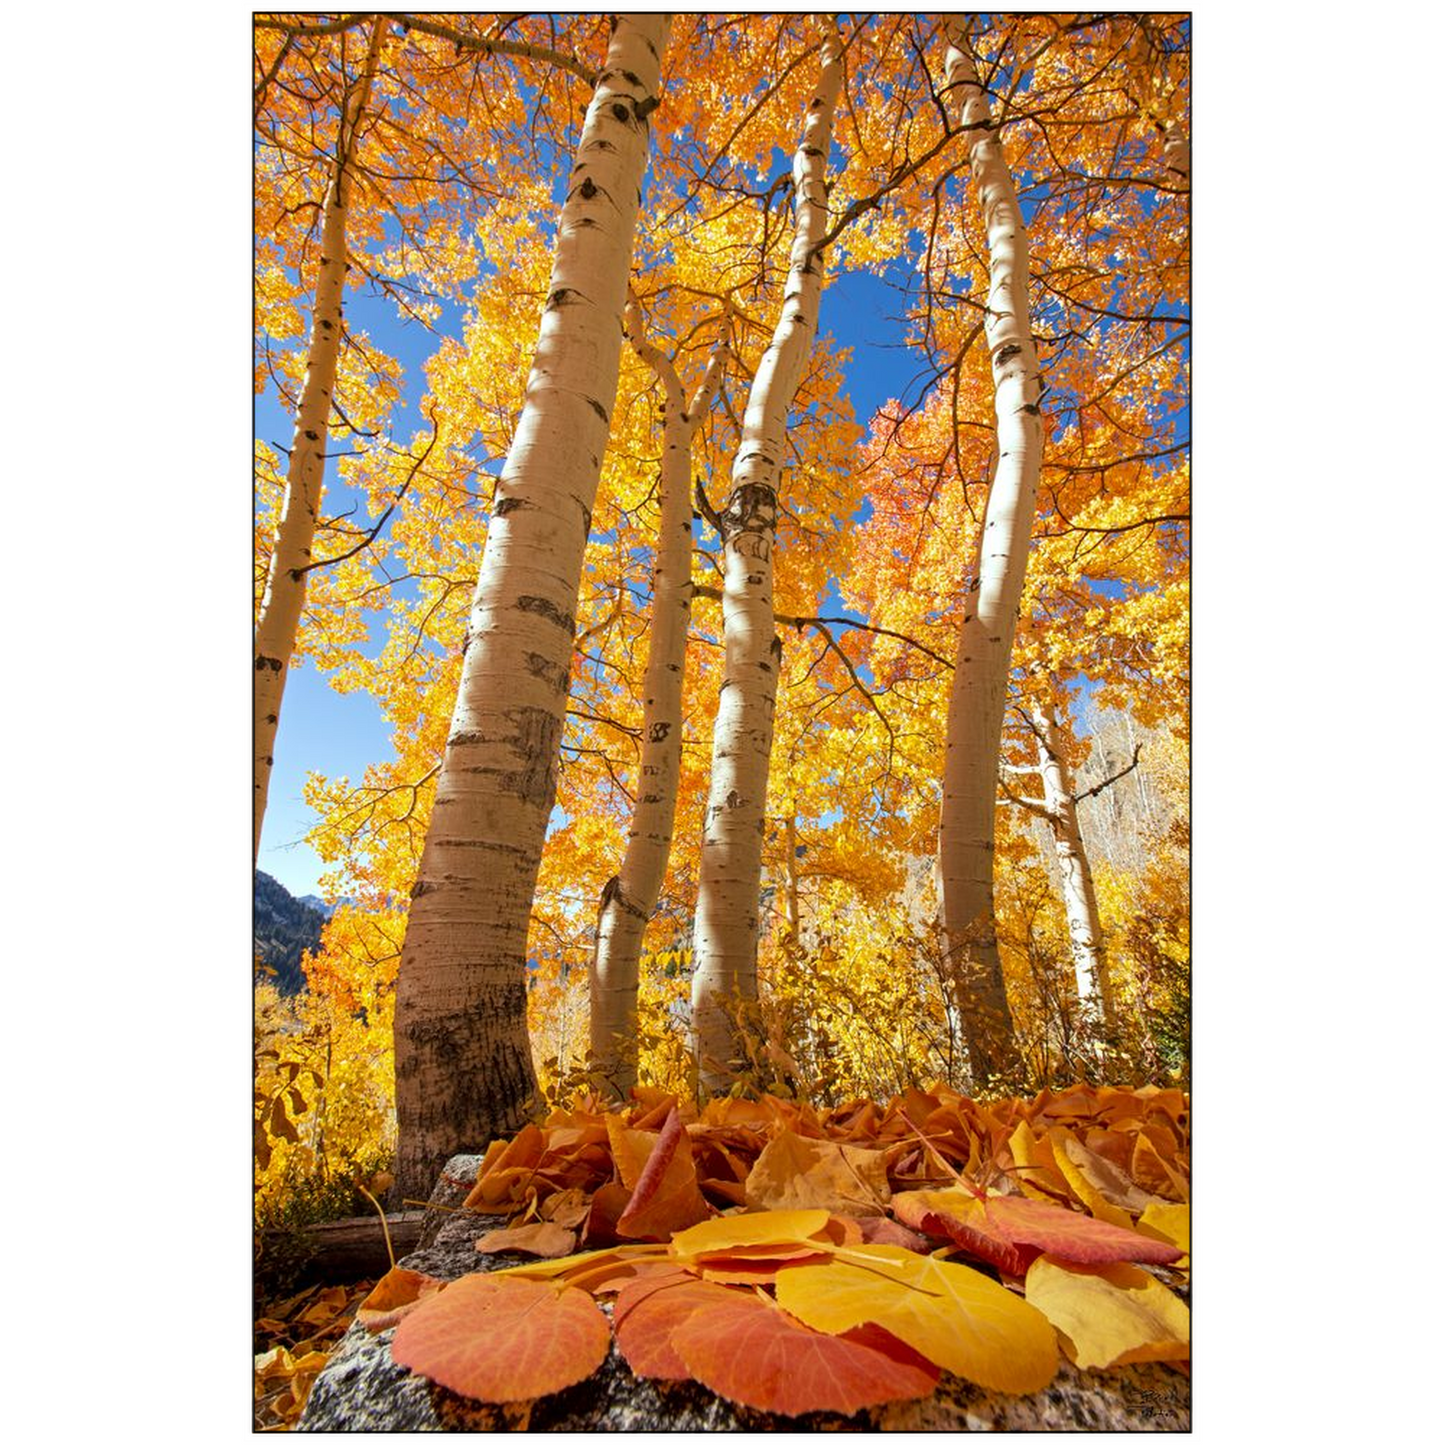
{"points": [[361, 1388]]}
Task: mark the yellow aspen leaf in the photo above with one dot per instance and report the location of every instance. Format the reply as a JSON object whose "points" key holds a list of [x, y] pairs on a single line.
{"points": [[1112, 1314], [1155, 1172], [1084, 1191], [1111, 1183], [733, 1231], [1168, 1222], [952, 1315], [1035, 1171]]}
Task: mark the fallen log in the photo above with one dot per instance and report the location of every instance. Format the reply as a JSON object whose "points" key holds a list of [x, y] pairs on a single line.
{"points": [[335, 1252]]}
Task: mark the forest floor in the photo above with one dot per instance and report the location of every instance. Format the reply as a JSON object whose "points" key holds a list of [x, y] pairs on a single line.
{"points": [[292, 1340]]}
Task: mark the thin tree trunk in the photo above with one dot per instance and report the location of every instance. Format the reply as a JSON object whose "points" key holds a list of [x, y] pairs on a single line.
{"points": [[726, 934], [1081, 908], [463, 1062], [794, 918], [629, 898], [976, 702], [291, 553]]}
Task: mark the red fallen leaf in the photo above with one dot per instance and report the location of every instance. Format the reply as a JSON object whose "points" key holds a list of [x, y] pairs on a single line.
{"points": [[397, 1293], [665, 1197], [751, 1351], [497, 1338], [942, 1215], [1075, 1237], [648, 1310], [888, 1231]]}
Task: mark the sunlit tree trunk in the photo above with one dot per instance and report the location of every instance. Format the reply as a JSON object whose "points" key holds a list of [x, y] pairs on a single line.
{"points": [[463, 1063], [629, 897], [1176, 153], [1086, 934], [285, 594], [726, 933], [976, 702]]}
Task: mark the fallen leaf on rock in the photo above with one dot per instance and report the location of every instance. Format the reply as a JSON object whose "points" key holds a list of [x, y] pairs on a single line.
{"points": [[953, 1315], [665, 1197], [646, 1312], [1155, 1172], [1066, 1234], [746, 1349], [1168, 1222], [396, 1294], [544, 1239], [888, 1231], [957, 1216], [495, 1337], [1110, 1314], [505, 1169], [1113, 1184], [793, 1172], [787, 1227], [569, 1208]]}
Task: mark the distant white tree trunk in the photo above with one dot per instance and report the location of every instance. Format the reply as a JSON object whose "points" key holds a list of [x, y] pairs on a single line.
{"points": [[1081, 908], [629, 897], [291, 550], [726, 933], [463, 1063], [976, 702]]}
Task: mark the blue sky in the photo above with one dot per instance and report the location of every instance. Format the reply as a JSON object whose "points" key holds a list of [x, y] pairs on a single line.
{"points": [[325, 731]]}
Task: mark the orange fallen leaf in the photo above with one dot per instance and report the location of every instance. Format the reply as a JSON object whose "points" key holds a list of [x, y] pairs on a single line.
{"points": [[646, 1312], [745, 1348], [794, 1172], [495, 1337], [544, 1239], [396, 1294]]}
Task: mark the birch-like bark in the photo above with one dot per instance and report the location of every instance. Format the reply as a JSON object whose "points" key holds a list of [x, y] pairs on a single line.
{"points": [[1175, 153], [291, 551], [1081, 908], [629, 898], [726, 932], [976, 701], [463, 1063]]}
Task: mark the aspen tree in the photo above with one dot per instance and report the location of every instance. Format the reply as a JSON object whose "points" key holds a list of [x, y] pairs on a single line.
{"points": [[630, 896], [725, 936], [985, 644], [291, 554], [463, 1063], [1059, 809]]}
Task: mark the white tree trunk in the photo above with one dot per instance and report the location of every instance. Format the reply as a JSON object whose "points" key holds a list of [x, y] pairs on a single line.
{"points": [[726, 933], [1086, 934], [976, 702], [629, 898], [1176, 153], [463, 1063], [291, 550]]}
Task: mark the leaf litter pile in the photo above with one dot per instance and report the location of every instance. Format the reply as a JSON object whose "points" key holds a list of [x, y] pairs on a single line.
{"points": [[792, 1260]]}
